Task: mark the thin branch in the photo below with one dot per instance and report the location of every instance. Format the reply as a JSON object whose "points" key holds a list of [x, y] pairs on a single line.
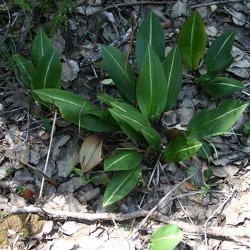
{"points": [[48, 154], [227, 232], [7, 154], [215, 3], [124, 5]]}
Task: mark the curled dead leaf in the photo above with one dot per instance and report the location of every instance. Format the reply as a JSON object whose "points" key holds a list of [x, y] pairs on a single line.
{"points": [[91, 152]]}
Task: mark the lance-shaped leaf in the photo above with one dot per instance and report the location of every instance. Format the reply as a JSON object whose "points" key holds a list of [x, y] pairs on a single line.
{"points": [[150, 33], [131, 122], [173, 70], [26, 69], [207, 77], [218, 56], [152, 137], [120, 185], [217, 121], [123, 160], [78, 110], [151, 86], [192, 41], [222, 86], [181, 148], [48, 72], [107, 99], [40, 47], [166, 237], [91, 152], [120, 70]]}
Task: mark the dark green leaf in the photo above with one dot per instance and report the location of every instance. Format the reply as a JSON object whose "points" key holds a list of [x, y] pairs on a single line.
{"points": [[206, 77], [121, 184], [222, 86], [173, 70], [120, 70], [77, 110], [166, 238], [208, 173], [131, 122], [152, 137], [151, 86], [107, 99], [150, 33], [25, 68], [192, 41], [204, 151], [123, 160], [181, 148], [47, 73], [217, 121], [218, 55], [40, 47]]}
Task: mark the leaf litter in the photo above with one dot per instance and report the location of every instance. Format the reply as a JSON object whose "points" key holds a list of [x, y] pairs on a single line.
{"points": [[23, 133]]}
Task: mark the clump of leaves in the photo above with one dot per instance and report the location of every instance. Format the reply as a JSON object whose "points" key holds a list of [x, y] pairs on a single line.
{"points": [[142, 99]]}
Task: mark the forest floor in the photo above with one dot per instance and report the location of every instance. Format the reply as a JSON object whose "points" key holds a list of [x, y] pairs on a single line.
{"points": [[212, 215]]}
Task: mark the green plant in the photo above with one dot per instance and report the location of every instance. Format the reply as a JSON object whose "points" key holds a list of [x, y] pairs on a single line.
{"points": [[142, 98], [60, 9], [166, 238], [247, 129], [205, 188]]}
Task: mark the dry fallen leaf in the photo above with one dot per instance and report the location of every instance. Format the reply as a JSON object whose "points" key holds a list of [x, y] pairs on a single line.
{"points": [[91, 152]]}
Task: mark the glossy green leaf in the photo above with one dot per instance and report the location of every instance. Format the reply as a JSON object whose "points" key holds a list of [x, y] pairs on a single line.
{"points": [[192, 41], [173, 70], [47, 73], [150, 33], [217, 121], [123, 160], [131, 122], [204, 150], [181, 148], [222, 86], [166, 238], [26, 69], [124, 107], [120, 185], [107, 99], [120, 70], [218, 55], [152, 137], [206, 77], [151, 86], [40, 47], [77, 109]]}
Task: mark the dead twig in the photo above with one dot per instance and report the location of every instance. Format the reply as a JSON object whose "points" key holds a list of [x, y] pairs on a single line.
{"points": [[38, 171], [97, 56], [227, 232], [124, 5], [215, 212], [215, 3], [48, 154]]}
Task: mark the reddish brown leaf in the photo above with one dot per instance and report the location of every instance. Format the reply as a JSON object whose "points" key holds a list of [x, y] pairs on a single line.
{"points": [[91, 152]]}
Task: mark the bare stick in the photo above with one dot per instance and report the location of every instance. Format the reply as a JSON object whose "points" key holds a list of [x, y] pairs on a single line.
{"points": [[186, 227], [155, 207], [215, 212], [215, 3], [47, 158], [97, 56], [38, 171], [124, 5]]}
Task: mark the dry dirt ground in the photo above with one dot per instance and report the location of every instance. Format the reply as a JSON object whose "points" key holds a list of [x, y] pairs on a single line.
{"points": [[71, 216]]}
